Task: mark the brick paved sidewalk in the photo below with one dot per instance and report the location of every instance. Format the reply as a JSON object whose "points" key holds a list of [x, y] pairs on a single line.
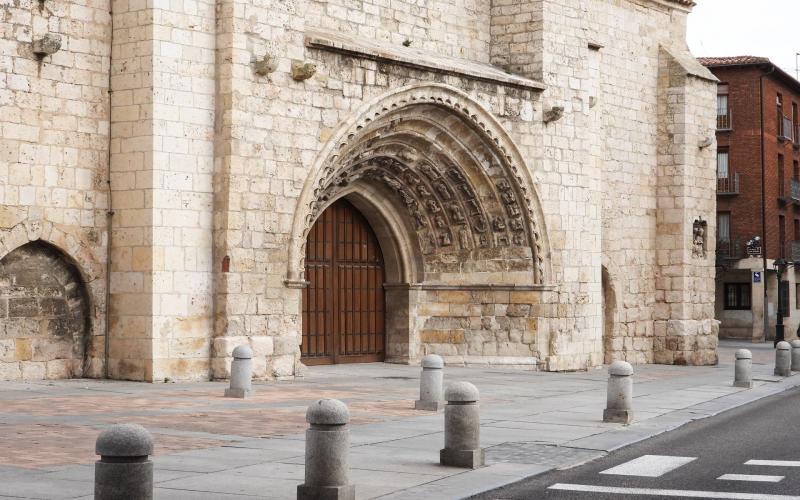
{"points": [[209, 447]]}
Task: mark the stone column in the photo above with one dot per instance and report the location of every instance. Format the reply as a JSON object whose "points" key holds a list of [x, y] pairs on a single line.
{"points": [[327, 444], [462, 427], [241, 373], [743, 370], [430, 384], [619, 404], [124, 471]]}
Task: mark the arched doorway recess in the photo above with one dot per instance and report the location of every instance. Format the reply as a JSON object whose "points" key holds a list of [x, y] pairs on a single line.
{"points": [[45, 313], [455, 212], [343, 304]]}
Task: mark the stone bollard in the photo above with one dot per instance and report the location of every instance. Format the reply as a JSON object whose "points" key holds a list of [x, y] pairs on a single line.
{"points": [[619, 403], [241, 373], [795, 355], [783, 359], [430, 384], [124, 471], [327, 444], [462, 427], [743, 369]]}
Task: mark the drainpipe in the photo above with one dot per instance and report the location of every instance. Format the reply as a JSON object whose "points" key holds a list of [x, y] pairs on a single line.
{"points": [[109, 210], [764, 203]]}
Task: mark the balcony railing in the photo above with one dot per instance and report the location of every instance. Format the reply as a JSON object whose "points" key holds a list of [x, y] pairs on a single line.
{"points": [[796, 190], [728, 185], [795, 250], [730, 248], [725, 121]]}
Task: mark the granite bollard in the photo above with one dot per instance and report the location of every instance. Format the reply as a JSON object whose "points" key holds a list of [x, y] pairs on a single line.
{"points": [[327, 445], [124, 471], [783, 359], [619, 403], [241, 373], [795, 355], [462, 427], [430, 384], [743, 369]]}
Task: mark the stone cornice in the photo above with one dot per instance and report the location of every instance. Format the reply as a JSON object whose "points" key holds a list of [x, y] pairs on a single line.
{"points": [[416, 58]]}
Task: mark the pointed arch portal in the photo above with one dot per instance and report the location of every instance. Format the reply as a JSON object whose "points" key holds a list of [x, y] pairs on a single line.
{"points": [[450, 200]]}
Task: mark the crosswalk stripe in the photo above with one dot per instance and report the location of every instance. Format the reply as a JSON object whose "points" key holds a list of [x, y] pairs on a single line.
{"points": [[751, 477], [774, 463], [649, 466], [670, 493]]}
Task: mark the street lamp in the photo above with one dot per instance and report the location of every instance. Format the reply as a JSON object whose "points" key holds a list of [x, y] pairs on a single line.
{"points": [[780, 267]]}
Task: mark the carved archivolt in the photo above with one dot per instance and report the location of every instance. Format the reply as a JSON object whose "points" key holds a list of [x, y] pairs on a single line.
{"points": [[460, 189]]}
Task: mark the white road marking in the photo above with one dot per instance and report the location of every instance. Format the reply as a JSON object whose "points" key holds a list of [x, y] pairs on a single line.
{"points": [[670, 493], [649, 466], [774, 463], [751, 477]]}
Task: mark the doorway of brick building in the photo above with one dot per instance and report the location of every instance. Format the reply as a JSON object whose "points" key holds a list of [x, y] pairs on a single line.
{"points": [[344, 303]]}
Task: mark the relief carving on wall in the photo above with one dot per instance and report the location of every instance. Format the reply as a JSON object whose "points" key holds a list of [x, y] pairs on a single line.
{"points": [[457, 198], [699, 230]]}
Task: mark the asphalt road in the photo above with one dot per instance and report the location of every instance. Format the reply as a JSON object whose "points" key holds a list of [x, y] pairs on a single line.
{"points": [[689, 462]]}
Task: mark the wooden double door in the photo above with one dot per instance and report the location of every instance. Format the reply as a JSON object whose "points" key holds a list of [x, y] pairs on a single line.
{"points": [[344, 304]]}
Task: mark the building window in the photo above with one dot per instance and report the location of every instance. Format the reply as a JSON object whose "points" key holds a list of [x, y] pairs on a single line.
{"points": [[781, 190], [737, 296], [723, 171], [797, 229], [723, 110], [794, 121], [724, 234], [782, 236], [797, 296], [783, 297], [779, 104]]}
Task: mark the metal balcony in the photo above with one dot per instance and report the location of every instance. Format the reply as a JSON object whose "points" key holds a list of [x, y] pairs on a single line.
{"points": [[795, 246], [730, 248], [728, 186]]}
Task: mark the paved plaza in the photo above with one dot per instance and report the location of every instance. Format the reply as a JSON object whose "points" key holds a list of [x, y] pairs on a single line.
{"points": [[211, 447]]}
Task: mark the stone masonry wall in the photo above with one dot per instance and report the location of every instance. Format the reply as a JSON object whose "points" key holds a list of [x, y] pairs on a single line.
{"points": [[458, 28], [54, 119], [163, 85], [209, 159], [44, 312]]}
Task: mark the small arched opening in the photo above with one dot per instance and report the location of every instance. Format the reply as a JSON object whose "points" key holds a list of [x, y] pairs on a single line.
{"points": [[45, 309]]}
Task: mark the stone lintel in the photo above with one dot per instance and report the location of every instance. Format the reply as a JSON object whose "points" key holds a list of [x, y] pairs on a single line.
{"points": [[416, 58]]}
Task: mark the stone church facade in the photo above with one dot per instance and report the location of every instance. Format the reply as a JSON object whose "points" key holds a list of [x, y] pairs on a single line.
{"points": [[513, 182]]}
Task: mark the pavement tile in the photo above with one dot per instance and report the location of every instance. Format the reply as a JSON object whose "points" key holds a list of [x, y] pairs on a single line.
{"points": [[208, 446]]}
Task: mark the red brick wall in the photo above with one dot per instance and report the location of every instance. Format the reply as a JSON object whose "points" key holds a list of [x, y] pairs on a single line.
{"points": [[745, 156]]}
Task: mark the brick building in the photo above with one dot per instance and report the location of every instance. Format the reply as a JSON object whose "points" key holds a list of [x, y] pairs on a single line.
{"points": [[758, 195], [510, 182]]}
